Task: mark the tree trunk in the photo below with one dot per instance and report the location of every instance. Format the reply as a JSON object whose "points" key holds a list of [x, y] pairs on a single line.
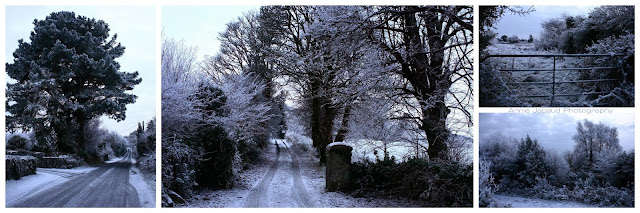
{"points": [[344, 126], [429, 79], [81, 139], [435, 128], [322, 115]]}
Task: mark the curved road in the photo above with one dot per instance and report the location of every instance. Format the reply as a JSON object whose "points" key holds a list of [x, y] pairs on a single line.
{"points": [[106, 186], [287, 191]]}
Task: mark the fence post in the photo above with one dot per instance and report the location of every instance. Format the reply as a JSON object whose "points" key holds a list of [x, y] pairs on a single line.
{"points": [[553, 82]]}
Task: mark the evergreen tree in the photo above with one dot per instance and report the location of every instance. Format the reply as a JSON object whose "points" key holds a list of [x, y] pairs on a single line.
{"points": [[530, 162], [66, 76]]}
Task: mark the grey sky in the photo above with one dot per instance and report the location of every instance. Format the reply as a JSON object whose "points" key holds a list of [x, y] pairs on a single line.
{"points": [[136, 29], [554, 130], [207, 23], [525, 25]]}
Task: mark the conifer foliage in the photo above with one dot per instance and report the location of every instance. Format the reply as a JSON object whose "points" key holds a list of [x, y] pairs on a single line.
{"points": [[64, 76]]}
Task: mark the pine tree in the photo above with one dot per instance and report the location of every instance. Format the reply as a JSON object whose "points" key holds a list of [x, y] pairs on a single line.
{"points": [[65, 76]]}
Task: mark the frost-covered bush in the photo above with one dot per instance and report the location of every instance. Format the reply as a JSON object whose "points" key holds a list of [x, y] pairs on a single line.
{"points": [[441, 184], [60, 162], [487, 186], [178, 167], [20, 166], [513, 39], [147, 163], [214, 161], [493, 89], [17, 142], [622, 92], [622, 170]]}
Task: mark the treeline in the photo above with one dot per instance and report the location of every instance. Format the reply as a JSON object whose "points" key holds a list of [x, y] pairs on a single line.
{"points": [[575, 34], [101, 144], [597, 171], [143, 144]]}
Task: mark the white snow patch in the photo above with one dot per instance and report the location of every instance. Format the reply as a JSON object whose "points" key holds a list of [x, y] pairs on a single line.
{"points": [[147, 199], [522, 202], [371, 150], [338, 144], [43, 179], [114, 160]]}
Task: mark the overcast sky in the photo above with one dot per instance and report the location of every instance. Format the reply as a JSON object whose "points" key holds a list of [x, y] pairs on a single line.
{"points": [[554, 130], [136, 29], [530, 24], [206, 22]]}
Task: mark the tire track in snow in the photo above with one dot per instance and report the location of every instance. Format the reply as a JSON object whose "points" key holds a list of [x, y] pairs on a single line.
{"points": [[258, 195], [299, 190]]}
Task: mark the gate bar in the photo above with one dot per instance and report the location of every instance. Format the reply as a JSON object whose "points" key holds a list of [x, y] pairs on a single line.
{"points": [[561, 69], [553, 55]]}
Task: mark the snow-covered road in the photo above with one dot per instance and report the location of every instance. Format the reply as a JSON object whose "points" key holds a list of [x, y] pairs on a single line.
{"points": [[288, 189], [107, 185]]}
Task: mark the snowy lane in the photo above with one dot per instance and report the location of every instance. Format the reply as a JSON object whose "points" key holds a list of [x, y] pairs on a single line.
{"points": [[106, 186], [282, 186], [300, 192], [258, 195]]}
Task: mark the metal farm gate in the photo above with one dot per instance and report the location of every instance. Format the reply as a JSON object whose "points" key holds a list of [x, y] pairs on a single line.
{"points": [[553, 71]]}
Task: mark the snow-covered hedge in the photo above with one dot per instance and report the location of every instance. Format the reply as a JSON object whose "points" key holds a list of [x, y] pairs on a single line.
{"points": [[19, 166], [61, 162], [434, 184], [585, 193], [147, 163]]}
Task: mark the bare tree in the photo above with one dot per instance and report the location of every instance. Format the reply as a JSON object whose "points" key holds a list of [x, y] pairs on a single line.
{"points": [[432, 46]]}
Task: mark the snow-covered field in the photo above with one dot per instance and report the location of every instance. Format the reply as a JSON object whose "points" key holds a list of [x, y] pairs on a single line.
{"points": [[538, 76], [522, 202], [43, 179]]}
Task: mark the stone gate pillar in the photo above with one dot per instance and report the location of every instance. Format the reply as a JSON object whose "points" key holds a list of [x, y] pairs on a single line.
{"points": [[338, 164]]}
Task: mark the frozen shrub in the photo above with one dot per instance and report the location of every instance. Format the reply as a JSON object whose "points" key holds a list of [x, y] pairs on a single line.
{"points": [[513, 39], [215, 157], [620, 173], [487, 185], [493, 89], [437, 184], [20, 166], [178, 167], [17, 142], [622, 93], [147, 163]]}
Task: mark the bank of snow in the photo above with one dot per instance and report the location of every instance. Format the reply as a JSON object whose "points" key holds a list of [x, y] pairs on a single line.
{"points": [[145, 194]]}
